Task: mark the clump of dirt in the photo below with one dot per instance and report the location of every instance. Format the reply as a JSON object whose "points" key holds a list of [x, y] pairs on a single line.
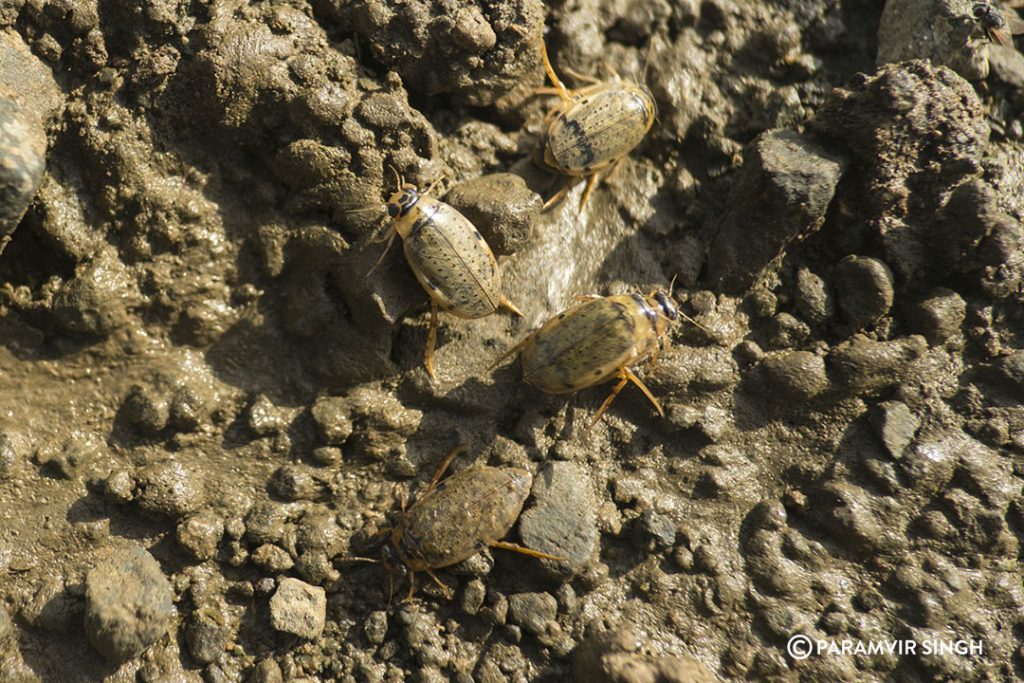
{"points": [[211, 395]]}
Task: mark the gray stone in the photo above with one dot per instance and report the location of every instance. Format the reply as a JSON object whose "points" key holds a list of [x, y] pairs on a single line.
{"points": [[94, 302], [207, 634], [376, 627], [264, 418], [1011, 370], [200, 534], [616, 656], [169, 488], [797, 375], [938, 30], [938, 317], [563, 519], [813, 300], [299, 609], [533, 611], [502, 208], [331, 415], [128, 604], [895, 425], [864, 290], [781, 193], [28, 99], [866, 366]]}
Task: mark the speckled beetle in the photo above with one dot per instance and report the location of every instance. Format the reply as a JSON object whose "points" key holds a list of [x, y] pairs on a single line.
{"points": [[593, 128], [458, 517], [448, 256], [595, 341]]}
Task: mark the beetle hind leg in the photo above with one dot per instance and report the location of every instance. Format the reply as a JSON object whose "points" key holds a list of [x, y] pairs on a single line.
{"points": [[509, 306], [516, 548], [626, 376], [440, 584], [511, 352], [560, 88], [559, 196]]}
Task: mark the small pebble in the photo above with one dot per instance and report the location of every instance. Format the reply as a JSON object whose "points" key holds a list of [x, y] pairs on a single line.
{"points": [[502, 208], [207, 634], [298, 609], [895, 425], [940, 316], [532, 611], [798, 375], [200, 534], [331, 415], [864, 289], [128, 604]]}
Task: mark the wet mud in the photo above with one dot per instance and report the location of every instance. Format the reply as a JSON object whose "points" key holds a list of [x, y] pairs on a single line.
{"points": [[212, 406]]}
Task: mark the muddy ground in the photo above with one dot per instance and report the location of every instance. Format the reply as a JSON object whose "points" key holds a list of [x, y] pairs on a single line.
{"points": [[207, 401]]}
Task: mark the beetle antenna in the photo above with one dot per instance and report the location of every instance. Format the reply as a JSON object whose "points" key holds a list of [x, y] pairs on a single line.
{"points": [[647, 61]]}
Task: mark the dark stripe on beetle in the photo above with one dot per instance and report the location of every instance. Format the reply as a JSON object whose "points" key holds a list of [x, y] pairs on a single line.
{"points": [[649, 313], [586, 149]]}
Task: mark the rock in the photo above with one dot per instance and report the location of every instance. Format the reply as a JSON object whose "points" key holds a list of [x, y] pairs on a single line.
{"points": [[563, 519], [145, 409], [265, 523], [331, 415], [937, 30], [95, 301], [267, 671], [294, 481], [8, 454], [938, 317], [376, 627], [169, 488], [207, 634], [903, 172], [535, 612], [615, 656], [326, 456], [502, 208], [29, 97], [782, 192], [864, 290], [865, 366], [895, 425], [658, 529], [785, 332], [813, 300], [1010, 369], [482, 59], [299, 609], [797, 375], [272, 559], [128, 604], [264, 418], [200, 534]]}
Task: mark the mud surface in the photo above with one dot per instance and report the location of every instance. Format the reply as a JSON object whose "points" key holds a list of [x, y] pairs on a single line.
{"points": [[208, 399]]}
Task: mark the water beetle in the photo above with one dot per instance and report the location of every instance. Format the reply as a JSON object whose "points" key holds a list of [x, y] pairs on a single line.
{"points": [[997, 26], [593, 128], [449, 257], [458, 517], [596, 341]]}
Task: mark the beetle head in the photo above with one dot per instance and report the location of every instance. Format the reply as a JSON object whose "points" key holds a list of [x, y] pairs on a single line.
{"points": [[402, 200], [668, 308]]}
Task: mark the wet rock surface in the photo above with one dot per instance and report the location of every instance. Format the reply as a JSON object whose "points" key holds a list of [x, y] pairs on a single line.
{"points": [[214, 405], [128, 604]]}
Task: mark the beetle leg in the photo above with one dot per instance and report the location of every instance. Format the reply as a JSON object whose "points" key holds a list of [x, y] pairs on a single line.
{"points": [[508, 354], [623, 380], [559, 196], [428, 353], [447, 591], [443, 467], [563, 92], [412, 586], [390, 237], [505, 303], [582, 77], [647, 392], [516, 548], [591, 182]]}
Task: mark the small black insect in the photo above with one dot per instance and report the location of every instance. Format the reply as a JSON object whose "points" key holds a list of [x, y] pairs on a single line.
{"points": [[998, 27]]}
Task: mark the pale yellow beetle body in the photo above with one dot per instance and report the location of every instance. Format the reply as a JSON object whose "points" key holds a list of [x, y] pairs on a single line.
{"points": [[596, 341], [592, 129], [449, 257]]}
